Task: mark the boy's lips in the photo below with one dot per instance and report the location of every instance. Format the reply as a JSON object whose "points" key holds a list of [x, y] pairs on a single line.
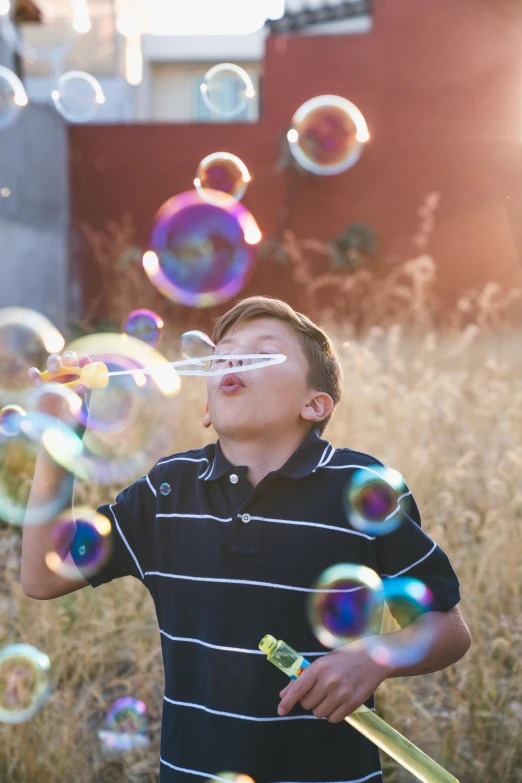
{"points": [[230, 383]]}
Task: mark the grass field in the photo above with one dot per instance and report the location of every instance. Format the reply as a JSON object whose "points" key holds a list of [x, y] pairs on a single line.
{"points": [[446, 411]]}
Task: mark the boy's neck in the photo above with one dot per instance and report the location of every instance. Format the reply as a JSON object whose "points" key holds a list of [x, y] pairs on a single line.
{"points": [[261, 456]]}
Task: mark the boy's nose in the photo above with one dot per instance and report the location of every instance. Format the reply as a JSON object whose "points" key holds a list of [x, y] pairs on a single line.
{"points": [[239, 363]]}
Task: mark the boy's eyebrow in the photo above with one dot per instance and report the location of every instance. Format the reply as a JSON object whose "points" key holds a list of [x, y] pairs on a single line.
{"points": [[258, 337]]}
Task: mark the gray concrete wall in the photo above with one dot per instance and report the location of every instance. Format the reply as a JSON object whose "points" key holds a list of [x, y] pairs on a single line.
{"points": [[34, 218]]}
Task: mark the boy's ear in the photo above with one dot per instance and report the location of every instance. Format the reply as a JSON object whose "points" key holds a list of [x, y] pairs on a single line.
{"points": [[206, 416]]}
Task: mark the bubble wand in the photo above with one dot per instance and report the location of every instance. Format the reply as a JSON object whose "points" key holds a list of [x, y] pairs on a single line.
{"points": [[364, 720], [96, 374]]}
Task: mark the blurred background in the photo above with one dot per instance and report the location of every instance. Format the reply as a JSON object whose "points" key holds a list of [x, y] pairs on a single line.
{"points": [[403, 240]]}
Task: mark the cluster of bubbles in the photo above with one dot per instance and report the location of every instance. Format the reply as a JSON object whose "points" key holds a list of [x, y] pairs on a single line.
{"points": [[77, 95], [348, 599]]}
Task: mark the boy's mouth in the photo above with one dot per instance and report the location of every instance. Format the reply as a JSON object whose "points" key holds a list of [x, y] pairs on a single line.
{"points": [[231, 383]]}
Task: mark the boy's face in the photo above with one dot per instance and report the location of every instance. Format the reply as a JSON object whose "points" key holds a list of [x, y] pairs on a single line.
{"points": [[273, 399]]}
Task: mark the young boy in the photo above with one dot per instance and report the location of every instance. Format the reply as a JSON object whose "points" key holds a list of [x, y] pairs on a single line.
{"points": [[230, 554]]}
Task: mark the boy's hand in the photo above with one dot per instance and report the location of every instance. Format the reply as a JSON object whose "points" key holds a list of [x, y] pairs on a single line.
{"points": [[336, 684], [53, 404]]}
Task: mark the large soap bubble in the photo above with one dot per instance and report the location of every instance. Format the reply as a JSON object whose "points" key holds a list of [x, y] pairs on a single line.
{"points": [[222, 172], [81, 543], [346, 604], [24, 682], [328, 134], [201, 254], [227, 89], [376, 499]]}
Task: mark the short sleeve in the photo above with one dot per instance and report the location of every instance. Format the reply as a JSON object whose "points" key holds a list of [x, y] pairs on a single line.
{"points": [[131, 516], [408, 551]]}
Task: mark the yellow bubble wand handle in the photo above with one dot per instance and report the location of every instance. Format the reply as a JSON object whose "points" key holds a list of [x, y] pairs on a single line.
{"points": [[364, 720], [93, 376]]}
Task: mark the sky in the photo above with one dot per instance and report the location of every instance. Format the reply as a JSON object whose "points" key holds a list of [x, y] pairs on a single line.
{"points": [[204, 17]]}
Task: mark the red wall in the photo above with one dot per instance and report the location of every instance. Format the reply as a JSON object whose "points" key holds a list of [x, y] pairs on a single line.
{"points": [[440, 85]]}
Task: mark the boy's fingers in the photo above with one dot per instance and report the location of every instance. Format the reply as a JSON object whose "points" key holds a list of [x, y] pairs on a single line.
{"points": [[70, 359], [54, 363], [299, 688], [35, 376], [83, 360], [285, 690]]}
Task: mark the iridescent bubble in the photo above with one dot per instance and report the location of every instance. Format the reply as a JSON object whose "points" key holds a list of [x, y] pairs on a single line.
{"points": [[126, 430], [233, 777], [407, 599], [222, 172], [328, 134], [24, 682], [201, 254], [26, 339], [77, 96], [144, 325], [125, 726], [12, 97], [10, 419], [165, 489], [227, 89], [81, 543], [196, 345], [18, 454], [375, 500], [348, 604]]}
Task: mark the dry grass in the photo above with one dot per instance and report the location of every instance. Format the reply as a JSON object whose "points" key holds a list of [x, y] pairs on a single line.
{"points": [[446, 410]]}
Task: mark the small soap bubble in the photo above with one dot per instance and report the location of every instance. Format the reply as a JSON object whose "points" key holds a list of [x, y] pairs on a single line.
{"points": [[12, 97], [407, 599], [201, 254], [10, 420], [144, 325], [125, 726], [165, 489], [347, 605], [77, 96], [233, 777], [224, 173], [196, 345], [81, 544], [328, 134], [375, 500], [227, 89], [24, 682]]}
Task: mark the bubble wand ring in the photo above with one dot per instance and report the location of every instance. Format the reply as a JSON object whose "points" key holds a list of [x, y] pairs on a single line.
{"points": [[96, 375], [364, 720]]}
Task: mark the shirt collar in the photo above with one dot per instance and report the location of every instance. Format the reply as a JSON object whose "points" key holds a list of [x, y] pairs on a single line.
{"points": [[313, 453]]}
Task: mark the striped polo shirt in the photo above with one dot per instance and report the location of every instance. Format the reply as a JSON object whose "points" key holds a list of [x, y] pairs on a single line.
{"points": [[227, 563]]}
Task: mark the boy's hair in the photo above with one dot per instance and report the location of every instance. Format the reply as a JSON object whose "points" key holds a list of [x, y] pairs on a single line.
{"points": [[325, 372]]}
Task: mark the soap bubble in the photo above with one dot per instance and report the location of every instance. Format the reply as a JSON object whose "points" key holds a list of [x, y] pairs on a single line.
{"points": [[165, 488], [375, 500], [227, 89], [348, 605], [18, 454], [24, 682], [328, 134], [10, 418], [81, 544], [126, 430], [125, 726], [77, 96], [12, 97], [407, 599], [233, 777], [144, 325], [196, 345], [222, 172], [26, 339], [201, 254]]}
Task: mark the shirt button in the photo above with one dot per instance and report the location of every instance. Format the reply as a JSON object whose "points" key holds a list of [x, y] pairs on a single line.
{"points": [[233, 479], [245, 517]]}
